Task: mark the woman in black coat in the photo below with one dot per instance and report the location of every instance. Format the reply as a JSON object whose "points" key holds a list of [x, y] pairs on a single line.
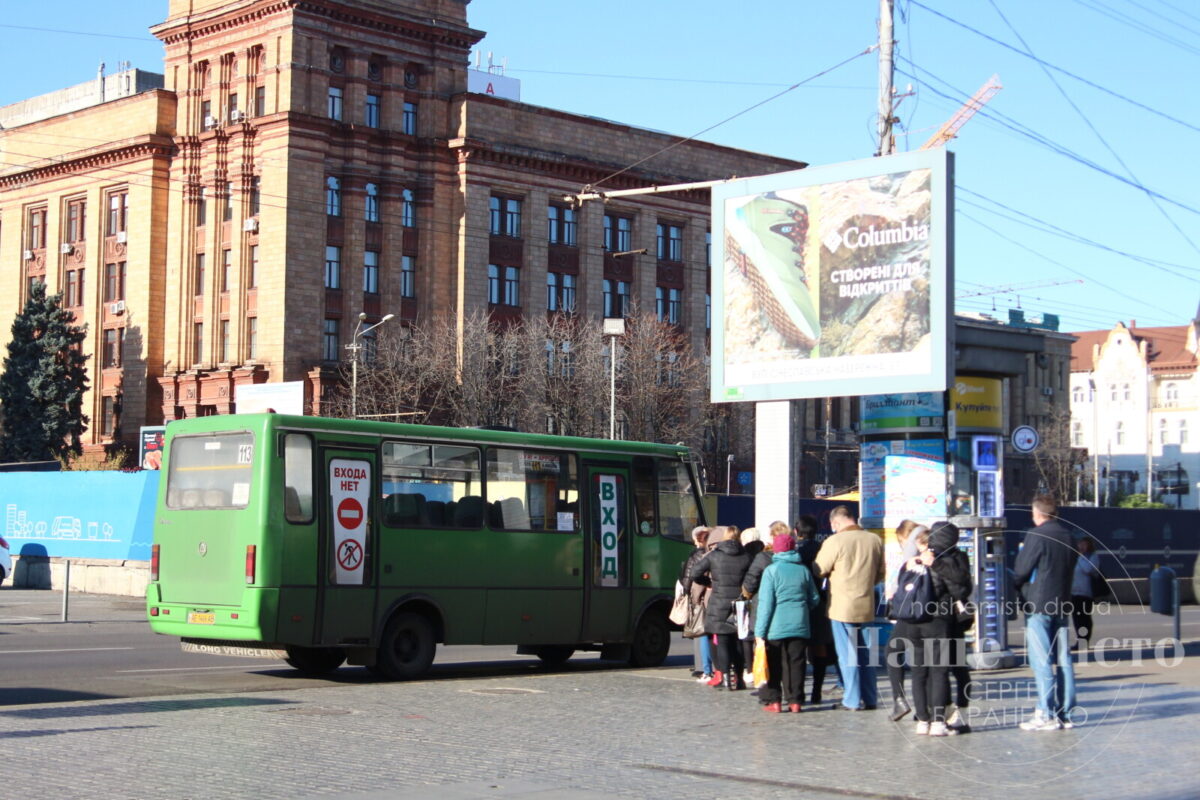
{"points": [[952, 582], [726, 567]]}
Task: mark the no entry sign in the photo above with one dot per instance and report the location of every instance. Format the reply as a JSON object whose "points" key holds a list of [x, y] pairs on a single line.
{"points": [[349, 495]]}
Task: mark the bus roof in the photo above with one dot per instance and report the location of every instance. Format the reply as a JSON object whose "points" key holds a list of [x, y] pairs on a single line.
{"points": [[374, 428]]}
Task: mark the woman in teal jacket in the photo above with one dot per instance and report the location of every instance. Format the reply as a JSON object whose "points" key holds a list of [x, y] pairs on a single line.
{"points": [[785, 597]]}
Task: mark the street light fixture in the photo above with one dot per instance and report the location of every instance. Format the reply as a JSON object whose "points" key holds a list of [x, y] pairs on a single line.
{"points": [[613, 327], [354, 347]]}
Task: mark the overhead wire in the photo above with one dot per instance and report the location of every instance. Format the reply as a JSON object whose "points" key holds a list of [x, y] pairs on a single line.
{"points": [[773, 97], [1141, 27], [1099, 136], [1059, 69]]}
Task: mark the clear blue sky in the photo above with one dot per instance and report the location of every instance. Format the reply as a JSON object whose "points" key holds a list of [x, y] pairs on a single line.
{"points": [[682, 67]]}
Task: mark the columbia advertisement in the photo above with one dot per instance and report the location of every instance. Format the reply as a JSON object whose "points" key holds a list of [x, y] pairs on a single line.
{"points": [[833, 280]]}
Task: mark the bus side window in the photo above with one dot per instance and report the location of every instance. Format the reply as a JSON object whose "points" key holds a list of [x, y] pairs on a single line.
{"points": [[679, 511], [297, 477], [643, 495]]}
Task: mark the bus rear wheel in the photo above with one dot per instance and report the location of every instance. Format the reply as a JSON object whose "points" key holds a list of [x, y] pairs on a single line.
{"points": [[651, 640], [315, 660], [554, 655], [406, 649]]}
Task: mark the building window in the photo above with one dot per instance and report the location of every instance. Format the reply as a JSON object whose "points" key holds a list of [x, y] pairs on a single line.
{"points": [[408, 123], [260, 101], [371, 209], [199, 288], [74, 288], [561, 225], [616, 298], [37, 229], [1077, 394], [251, 338], [206, 117], [114, 282], [1112, 392], [335, 103], [226, 270], [233, 108], [371, 272], [1077, 434], [333, 196], [1183, 431], [227, 209], [371, 118], [108, 416], [252, 277], [333, 267], [1125, 392], [76, 221], [708, 249], [329, 341], [114, 341], [201, 207], [708, 312], [560, 292], [504, 285], [618, 233], [1162, 431], [255, 196], [1172, 394], [505, 217], [408, 277], [226, 353], [408, 209], [1120, 433], [667, 303], [118, 212], [670, 242], [197, 342]]}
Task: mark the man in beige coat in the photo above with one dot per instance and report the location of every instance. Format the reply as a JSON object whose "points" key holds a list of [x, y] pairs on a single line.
{"points": [[852, 560]]}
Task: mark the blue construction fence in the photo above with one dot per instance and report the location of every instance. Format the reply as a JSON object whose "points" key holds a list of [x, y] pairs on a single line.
{"points": [[86, 515]]}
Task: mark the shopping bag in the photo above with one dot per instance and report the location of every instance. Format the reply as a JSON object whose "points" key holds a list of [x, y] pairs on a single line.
{"points": [[741, 610], [760, 664]]}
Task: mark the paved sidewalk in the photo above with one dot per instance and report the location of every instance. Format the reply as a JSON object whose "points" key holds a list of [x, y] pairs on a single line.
{"points": [[583, 733]]}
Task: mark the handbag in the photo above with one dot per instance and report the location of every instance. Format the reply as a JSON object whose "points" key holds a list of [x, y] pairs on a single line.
{"points": [[694, 627], [760, 664], [914, 600], [679, 610], [741, 609]]}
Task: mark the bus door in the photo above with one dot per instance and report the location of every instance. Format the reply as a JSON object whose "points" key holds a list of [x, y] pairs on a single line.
{"points": [[346, 598], [606, 555]]}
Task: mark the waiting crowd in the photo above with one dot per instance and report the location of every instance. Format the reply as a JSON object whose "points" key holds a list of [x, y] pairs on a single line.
{"points": [[781, 601]]}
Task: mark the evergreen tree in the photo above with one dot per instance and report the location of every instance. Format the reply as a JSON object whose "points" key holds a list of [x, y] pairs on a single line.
{"points": [[41, 389]]}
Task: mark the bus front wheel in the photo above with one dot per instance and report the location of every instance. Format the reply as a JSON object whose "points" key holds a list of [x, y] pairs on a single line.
{"points": [[651, 640], [315, 660], [407, 647]]}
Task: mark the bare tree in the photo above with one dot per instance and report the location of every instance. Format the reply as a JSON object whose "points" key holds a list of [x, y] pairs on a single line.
{"points": [[487, 390], [1058, 463], [663, 384], [567, 393]]}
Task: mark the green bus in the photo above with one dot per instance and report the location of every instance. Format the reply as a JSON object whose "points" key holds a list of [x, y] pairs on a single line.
{"points": [[326, 541]]}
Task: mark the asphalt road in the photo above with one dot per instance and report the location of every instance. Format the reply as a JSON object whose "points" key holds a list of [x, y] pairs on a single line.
{"points": [[107, 650]]}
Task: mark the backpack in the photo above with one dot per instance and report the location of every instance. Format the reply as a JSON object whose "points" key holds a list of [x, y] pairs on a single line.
{"points": [[915, 599]]}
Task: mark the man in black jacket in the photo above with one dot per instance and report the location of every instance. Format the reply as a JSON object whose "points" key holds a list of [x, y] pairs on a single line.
{"points": [[1042, 575]]}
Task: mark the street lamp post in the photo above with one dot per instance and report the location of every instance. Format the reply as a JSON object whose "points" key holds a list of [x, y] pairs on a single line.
{"points": [[613, 327], [354, 347]]}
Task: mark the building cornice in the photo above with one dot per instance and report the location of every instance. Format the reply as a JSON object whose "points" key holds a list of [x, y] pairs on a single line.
{"points": [[154, 146]]}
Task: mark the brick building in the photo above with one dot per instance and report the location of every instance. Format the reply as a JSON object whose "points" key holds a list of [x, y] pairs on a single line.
{"points": [[300, 162]]}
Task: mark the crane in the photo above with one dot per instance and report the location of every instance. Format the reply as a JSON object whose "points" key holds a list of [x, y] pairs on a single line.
{"points": [[978, 100]]}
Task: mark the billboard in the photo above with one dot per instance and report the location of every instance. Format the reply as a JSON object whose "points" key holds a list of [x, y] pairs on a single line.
{"points": [[834, 281], [917, 412], [281, 398], [978, 403]]}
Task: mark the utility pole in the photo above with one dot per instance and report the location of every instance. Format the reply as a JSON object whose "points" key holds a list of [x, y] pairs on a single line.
{"points": [[887, 144]]}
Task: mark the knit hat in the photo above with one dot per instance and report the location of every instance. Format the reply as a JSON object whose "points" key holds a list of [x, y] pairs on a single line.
{"points": [[782, 543]]}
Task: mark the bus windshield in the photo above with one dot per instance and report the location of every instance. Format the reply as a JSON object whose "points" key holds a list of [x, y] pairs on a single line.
{"points": [[210, 471]]}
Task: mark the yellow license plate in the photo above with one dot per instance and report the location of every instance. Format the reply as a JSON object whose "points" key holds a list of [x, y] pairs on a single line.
{"points": [[202, 618]]}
